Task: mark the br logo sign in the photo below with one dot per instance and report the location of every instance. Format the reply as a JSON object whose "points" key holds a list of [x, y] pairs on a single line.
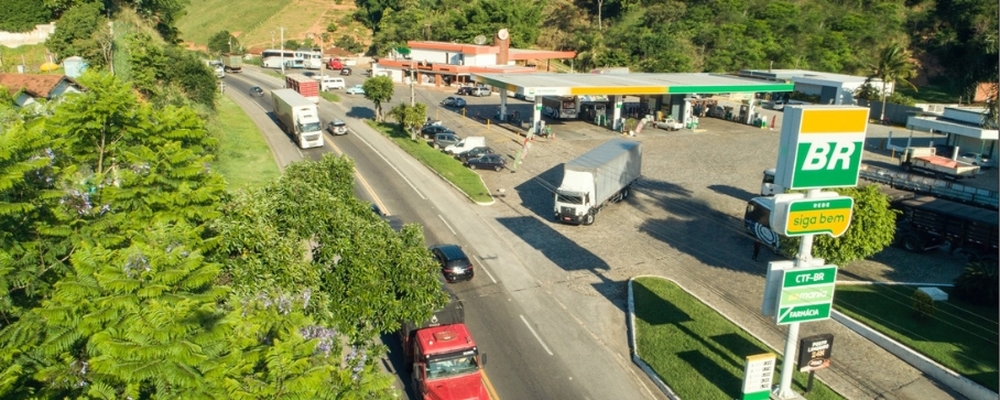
{"points": [[821, 146]]}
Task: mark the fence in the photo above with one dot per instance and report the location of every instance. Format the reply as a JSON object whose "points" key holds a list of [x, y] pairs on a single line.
{"points": [[39, 35]]}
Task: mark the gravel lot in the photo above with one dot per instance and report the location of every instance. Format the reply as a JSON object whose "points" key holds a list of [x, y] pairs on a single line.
{"points": [[684, 223]]}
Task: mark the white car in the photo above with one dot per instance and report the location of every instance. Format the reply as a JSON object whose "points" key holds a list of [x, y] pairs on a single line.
{"points": [[356, 89], [669, 124], [977, 159], [337, 127]]}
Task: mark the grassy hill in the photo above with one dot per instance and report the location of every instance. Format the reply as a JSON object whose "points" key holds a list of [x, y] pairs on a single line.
{"points": [[255, 23]]}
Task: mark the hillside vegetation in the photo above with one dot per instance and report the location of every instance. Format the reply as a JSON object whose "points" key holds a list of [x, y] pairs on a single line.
{"points": [[951, 42]]}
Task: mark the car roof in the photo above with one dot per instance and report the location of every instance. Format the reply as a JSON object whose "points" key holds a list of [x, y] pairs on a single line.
{"points": [[450, 251], [337, 122]]}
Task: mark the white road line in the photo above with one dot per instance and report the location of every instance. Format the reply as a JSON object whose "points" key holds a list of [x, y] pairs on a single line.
{"points": [[393, 168], [446, 224], [536, 336], [483, 266]]}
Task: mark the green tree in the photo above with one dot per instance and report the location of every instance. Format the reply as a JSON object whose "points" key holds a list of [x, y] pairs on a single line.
{"points": [[379, 90], [410, 118], [350, 44], [894, 64], [872, 229], [75, 30], [223, 42], [22, 16]]}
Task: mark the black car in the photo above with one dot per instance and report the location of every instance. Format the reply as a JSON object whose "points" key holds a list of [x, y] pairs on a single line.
{"points": [[428, 132], [464, 91], [495, 162], [256, 91], [475, 152], [455, 265]]}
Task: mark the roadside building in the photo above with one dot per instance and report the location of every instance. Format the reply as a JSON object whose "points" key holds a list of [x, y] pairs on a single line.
{"points": [[830, 88], [963, 127], [443, 63], [30, 87]]}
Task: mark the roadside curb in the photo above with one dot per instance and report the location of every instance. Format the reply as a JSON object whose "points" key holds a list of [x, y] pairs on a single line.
{"points": [[645, 367], [931, 368]]}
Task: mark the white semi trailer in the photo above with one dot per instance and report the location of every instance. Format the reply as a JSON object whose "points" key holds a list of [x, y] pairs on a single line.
{"points": [[600, 176], [299, 117]]}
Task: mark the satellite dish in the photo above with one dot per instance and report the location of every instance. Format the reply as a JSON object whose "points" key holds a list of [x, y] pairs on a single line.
{"points": [[503, 34], [479, 39]]}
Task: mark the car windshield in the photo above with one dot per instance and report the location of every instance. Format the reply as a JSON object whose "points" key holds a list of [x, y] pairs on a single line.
{"points": [[451, 367], [337, 123]]}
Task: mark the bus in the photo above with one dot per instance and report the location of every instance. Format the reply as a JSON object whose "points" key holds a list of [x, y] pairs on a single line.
{"points": [[275, 58], [572, 107], [311, 59], [561, 107]]}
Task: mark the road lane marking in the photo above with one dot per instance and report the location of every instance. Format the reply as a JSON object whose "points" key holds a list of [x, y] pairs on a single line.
{"points": [[361, 179], [489, 387], [446, 225], [539, 338], [393, 167], [483, 266]]}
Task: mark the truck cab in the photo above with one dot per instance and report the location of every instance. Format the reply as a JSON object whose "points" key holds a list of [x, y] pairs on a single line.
{"points": [[447, 364], [574, 198]]}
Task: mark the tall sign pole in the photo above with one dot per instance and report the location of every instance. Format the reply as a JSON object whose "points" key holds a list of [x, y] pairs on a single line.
{"points": [[821, 147]]}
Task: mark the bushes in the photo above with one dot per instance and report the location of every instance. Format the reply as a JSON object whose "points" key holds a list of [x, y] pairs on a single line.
{"points": [[22, 16], [978, 284], [923, 305]]}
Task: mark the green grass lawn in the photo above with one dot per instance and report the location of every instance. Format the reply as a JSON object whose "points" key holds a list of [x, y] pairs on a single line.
{"points": [[447, 166], [32, 56], [696, 351], [960, 336], [244, 157], [932, 93], [331, 97]]}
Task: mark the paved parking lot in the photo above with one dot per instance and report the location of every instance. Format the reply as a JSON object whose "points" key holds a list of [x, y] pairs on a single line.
{"points": [[684, 222]]}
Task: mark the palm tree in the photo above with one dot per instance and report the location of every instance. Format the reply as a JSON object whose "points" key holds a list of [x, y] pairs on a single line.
{"points": [[895, 64]]}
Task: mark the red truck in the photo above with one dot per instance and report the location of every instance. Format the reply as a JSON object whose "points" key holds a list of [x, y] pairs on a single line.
{"points": [[445, 362], [304, 85], [335, 64]]}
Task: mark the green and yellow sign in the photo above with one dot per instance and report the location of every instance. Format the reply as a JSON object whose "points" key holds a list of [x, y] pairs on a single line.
{"points": [[821, 146], [831, 216]]}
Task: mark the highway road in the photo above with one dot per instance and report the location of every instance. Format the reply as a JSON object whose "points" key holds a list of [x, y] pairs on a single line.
{"points": [[538, 345]]}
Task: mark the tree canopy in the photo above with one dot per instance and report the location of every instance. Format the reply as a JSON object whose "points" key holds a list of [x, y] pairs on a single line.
{"points": [[128, 271], [379, 90]]}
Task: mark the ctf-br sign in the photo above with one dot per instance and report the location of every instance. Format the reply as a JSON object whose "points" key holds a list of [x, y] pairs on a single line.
{"points": [[821, 146], [806, 294]]}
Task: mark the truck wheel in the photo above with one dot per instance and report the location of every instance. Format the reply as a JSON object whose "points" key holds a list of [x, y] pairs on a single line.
{"points": [[913, 243], [625, 192], [589, 219]]}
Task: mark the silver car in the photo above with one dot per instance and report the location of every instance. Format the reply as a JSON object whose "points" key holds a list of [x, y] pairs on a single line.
{"points": [[336, 127], [977, 159]]}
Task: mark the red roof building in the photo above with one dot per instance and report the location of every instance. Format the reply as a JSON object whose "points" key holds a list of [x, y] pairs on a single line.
{"points": [[37, 86]]}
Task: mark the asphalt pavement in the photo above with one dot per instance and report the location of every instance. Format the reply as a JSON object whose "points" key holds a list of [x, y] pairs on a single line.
{"points": [[567, 284]]}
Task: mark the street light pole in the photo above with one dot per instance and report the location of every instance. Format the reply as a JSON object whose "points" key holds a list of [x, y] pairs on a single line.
{"points": [[282, 51], [412, 78]]}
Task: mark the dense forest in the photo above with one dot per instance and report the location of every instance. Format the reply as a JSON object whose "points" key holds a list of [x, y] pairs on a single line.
{"points": [[952, 42]]}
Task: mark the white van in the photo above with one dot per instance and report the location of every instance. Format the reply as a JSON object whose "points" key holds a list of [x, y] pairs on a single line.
{"points": [[465, 145], [331, 82]]}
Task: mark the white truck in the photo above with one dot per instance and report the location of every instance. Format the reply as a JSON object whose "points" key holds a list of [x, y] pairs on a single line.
{"points": [[925, 160], [299, 117], [598, 177]]}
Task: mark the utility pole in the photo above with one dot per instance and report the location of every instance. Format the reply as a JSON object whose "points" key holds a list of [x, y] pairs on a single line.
{"points": [[282, 51], [272, 39], [412, 78]]}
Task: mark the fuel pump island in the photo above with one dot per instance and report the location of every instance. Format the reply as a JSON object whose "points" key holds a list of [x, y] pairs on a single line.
{"points": [[820, 148]]}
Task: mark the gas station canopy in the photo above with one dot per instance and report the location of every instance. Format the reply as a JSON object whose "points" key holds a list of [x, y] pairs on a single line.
{"points": [[553, 84]]}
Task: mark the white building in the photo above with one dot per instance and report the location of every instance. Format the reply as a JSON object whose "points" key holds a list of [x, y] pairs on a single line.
{"points": [[830, 87], [964, 128]]}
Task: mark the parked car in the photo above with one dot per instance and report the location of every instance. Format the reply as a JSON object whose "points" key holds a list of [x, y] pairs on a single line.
{"points": [[529, 97], [345, 71], [480, 91], [337, 127], [475, 153], [495, 162], [429, 131], [669, 124], [445, 139], [979, 159], [455, 265], [453, 101], [256, 91], [356, 89], [464, 91]]}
